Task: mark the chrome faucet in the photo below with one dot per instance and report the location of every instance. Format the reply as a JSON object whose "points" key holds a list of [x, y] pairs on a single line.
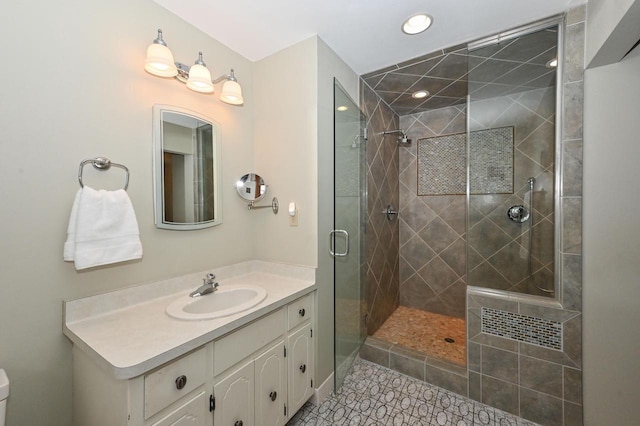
{"points": [[209, 285]]}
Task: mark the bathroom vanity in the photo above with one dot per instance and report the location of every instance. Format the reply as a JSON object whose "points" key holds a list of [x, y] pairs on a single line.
{"points": [[135, 365]]}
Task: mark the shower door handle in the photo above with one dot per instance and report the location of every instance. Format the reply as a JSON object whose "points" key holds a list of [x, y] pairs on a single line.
{"points": [[332, 239]]}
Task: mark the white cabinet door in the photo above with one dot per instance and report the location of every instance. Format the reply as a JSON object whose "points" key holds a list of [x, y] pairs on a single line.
{"points": [[300, 368], [195, 412], [234, 398], [271, 387]]}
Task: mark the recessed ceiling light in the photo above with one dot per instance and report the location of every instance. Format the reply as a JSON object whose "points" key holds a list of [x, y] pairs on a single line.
{"points": [[342, 108], [420, 94], [417, 23], [552, 63]]}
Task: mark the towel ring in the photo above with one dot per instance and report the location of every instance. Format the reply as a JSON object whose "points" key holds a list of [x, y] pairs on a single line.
{"points": [[102, 163]]}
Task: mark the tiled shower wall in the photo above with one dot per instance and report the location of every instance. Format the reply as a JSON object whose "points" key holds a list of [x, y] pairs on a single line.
{"points": [[382, 287], [432, 227], [529, 380], [499, 248]]}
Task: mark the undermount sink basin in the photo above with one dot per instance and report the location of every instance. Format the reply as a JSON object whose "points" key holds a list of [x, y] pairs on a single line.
{"points": [[221, 303]]}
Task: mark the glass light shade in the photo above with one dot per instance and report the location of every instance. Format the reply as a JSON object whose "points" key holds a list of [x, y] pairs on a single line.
{"points": [[231, 93], [160, 61], [200, 79]]}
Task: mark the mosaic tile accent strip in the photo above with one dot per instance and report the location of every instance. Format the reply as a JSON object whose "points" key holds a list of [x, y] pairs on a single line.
{"points": [[537, 331], [373, 395], [491, 170], [442, 165]]}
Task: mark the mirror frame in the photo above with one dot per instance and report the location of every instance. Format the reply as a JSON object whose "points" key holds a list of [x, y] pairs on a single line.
{"points": [[158, 170]]}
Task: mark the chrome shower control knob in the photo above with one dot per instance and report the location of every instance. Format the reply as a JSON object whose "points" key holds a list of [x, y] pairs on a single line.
{"points": [[518, 213]]}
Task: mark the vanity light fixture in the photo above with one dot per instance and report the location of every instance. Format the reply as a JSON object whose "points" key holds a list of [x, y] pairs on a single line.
{"points": [[159, 59], [420, 94], [417, 23], [197, 77]]}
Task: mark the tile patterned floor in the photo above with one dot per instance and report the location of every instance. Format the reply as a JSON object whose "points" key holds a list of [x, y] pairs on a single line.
{"points": [[425, 332], [375, 395]]}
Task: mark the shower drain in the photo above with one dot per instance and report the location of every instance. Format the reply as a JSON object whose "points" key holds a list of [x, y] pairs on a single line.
{"points": [[449, 340]]}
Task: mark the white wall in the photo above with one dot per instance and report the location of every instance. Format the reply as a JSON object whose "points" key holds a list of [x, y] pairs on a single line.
{"points": [[73, 87], [611, 293], [285, 135], [294, 153], [613, 28]]}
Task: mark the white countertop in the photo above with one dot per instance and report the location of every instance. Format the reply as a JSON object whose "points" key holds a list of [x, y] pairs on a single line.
{"points": [[130, 333]]}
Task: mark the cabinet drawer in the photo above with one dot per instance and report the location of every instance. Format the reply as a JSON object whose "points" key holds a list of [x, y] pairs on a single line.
{"points": [[234, 346], [300, 310], [173, 381], [194, 412]]}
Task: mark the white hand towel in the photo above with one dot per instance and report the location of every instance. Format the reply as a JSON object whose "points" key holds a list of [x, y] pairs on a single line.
{"points": [[102, 229], [70, 244]]}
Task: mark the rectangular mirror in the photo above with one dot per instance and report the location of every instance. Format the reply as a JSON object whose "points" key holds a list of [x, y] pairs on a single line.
{"points": [[186, 169]]}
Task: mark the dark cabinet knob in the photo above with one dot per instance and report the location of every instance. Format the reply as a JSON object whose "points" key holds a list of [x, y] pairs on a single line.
{"points": [[273, 395], [303, 368], [238, 423], [301, 312], [181, 382]]}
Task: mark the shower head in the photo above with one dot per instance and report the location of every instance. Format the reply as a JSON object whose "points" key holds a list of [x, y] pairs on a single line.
{"points": [[402, 139]]}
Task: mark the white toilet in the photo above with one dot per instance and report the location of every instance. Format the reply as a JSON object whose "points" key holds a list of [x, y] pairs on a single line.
{"points": [[4, 394]]}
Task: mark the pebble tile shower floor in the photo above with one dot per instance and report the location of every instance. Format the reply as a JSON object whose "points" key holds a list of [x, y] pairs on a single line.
{"points": [[375, 395], [425, 332]]}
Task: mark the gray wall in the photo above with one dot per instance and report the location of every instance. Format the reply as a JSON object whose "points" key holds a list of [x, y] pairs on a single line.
{"points": [[433, 251], [382, 237], [611, 248]]}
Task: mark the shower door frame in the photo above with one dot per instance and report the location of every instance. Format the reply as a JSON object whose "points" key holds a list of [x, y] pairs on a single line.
{"points": [[341, 253]]}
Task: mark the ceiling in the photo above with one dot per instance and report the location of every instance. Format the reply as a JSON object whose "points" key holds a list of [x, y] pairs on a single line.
{"points": [[364, 33], [510, 66]]}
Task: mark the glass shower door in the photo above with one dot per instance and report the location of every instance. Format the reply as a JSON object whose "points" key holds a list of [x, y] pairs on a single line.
{"points": [[347, 237], [512, 162]]}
